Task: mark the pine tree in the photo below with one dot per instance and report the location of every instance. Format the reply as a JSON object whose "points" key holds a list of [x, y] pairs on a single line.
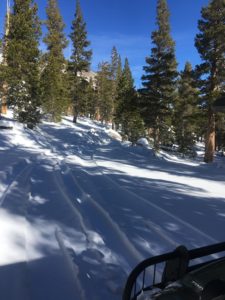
{"points": [[54, 78], [87, 97], [133, 126], [1, 61], [119, 72], [23, 62], [186, 112], [3, 64], [115, 58], [80, 59], [159, 81], [104, 91], [126, 91], [1, 74], [220, 132], [115, 65], [91, 96], [127, 113], [210, 44]]}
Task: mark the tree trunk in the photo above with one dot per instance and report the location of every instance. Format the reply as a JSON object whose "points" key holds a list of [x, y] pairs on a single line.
{"points": [[210, 138], [156, 134], [75, 118], [156, 139], [97, 115]]}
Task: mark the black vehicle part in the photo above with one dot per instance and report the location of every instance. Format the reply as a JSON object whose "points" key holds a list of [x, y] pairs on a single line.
{"points": [[158, 271], [213, 289]]}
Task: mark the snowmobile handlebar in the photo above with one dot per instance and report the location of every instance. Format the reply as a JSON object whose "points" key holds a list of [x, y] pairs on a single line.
{"points": [[176, 264]]}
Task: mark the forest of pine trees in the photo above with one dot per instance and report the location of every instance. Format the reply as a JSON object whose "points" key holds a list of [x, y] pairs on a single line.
{"points": [[172, 107]]}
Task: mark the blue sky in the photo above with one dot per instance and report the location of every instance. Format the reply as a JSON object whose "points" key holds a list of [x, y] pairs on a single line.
{"points": [[128, 24]]}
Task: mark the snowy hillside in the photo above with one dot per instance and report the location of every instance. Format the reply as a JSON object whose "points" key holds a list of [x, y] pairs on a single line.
{"points": [[79, 209]]}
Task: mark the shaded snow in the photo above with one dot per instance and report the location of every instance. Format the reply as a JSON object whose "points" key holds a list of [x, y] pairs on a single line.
{"points": [[79, 209]]}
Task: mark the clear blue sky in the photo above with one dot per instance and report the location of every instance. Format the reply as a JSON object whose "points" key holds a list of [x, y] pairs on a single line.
{"points": [[128, 24]]}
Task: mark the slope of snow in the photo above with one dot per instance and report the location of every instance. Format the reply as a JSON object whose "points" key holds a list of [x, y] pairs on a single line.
{"points": [[79, 209]]}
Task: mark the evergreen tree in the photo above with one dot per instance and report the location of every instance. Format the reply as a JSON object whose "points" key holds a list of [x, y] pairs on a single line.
{"points": [[126, 91], [87, 106], [187, 113], [22, 55], [210, 44], [127, 113], [115, 65], [220, 132], [159, 81], [104, 91], [3, 64], [1, 74], [80, 60], [119, 72], [54, 78], [91, 96], [115, 60], [133, 126]]}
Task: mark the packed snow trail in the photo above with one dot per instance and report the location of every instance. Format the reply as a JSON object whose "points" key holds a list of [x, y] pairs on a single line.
{"points": [[118, 197], [79, 210]]}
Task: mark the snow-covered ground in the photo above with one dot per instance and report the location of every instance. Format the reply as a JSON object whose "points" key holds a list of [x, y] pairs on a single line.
{"points": [[79, 209]]}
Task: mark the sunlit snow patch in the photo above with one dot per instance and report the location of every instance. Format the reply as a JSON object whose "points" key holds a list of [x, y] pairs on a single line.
{"points": [[114, 134], [143, 142]]}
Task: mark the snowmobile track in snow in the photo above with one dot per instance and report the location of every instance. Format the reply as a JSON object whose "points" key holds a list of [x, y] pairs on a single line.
{"points": [[160, 209], [115, 229], [23, 174], [159, 231], [155, 227], [74, 269]]}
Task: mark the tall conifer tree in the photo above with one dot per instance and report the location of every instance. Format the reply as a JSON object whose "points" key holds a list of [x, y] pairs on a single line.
{"points": [[127, 113], [3, 63], [80, 59], [91, 99], [104, 91], [53, 79], [186, 112], [211, 46], [1, 73], [126, 90], [159, 81], [114, 62], [116, 70], [23, 62]]}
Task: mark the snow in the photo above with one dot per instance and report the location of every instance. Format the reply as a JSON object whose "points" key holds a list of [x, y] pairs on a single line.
{"points": [[143, 142], [79, 208], [114, 134]]}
